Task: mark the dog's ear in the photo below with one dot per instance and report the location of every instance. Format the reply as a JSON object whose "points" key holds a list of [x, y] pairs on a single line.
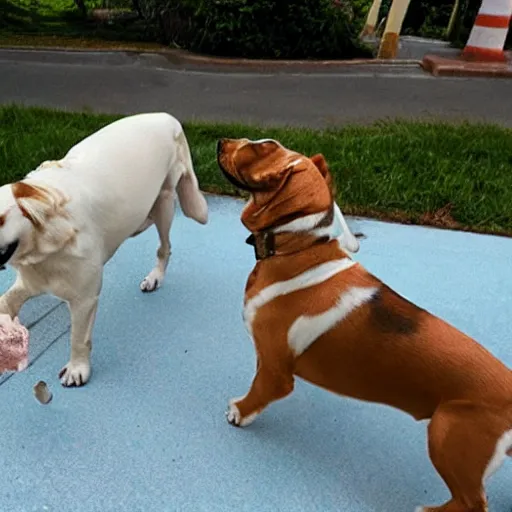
{"points": [[268, 179], [321, 165], [37, 203]]}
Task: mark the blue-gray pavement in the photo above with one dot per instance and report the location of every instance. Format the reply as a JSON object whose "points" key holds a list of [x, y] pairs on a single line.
{"points": [[148, 431]]}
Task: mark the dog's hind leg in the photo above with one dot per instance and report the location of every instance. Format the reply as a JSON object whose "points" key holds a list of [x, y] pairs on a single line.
{"points": [[467, 443], [162, 215]]}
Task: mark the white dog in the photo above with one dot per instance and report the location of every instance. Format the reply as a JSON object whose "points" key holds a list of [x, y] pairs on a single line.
{"points": [[65, 220]]}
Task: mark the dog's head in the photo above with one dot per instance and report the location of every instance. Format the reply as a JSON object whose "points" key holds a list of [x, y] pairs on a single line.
{"points": [[24, 210], [284, 185]]}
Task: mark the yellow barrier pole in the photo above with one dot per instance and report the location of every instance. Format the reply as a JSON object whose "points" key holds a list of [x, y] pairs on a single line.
{"points": [[453, 17], [389, 43], [371, 20]]}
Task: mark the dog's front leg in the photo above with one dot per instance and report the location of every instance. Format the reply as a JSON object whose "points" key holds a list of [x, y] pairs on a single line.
{"points": [[14, 298], [274, 380], [83, 313]]}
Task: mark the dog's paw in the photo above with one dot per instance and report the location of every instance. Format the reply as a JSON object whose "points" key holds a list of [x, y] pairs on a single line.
{"points": [[152, 281], [233, 414], [75, 374], [235, 418]]}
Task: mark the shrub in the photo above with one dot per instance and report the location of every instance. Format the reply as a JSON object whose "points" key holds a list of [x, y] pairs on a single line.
{"points": [[258, 28], [427, 18]]}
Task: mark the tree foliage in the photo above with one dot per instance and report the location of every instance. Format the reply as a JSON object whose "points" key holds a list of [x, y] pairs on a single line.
{"points": [[257, 28]]}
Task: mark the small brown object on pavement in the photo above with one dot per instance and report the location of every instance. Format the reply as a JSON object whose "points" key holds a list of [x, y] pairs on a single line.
{"points": [[42, 393]]}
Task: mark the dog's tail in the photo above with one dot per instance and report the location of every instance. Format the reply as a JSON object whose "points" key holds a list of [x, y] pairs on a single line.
{"points": [[192, 200]]}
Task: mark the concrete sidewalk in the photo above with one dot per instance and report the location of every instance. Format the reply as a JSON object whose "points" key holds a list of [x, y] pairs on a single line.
{"points": [[148, 432]]}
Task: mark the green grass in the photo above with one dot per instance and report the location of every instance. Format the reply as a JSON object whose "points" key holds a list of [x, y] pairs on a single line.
{"points": [[457, 176], [33, 19]]}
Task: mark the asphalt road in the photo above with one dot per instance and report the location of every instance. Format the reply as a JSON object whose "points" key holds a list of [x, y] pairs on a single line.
{"points": [[129, 83]]}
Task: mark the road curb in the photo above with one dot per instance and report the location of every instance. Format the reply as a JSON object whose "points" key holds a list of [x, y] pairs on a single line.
{"points": [[440, 66], [184, 58], [188, 57]]}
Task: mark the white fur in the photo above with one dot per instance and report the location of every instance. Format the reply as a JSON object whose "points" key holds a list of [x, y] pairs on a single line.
{"points": [[307, 329], [110, 186], [347, 240], [338, 229], [233, 414], [311, 277], [306, 223], [261, 141], [295, 162], [235, 418], [503, 445]]}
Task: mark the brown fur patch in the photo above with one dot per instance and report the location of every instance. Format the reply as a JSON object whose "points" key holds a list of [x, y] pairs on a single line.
{"points": [[2, 219], [22, 190], [53, 198]]}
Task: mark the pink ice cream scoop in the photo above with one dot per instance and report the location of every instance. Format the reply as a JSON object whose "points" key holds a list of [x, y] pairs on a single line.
{"points": [[13, 345]]}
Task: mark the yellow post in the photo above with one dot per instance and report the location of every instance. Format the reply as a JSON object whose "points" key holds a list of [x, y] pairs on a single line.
{"points": [[371, 19], [389, 42], [453, 17]]}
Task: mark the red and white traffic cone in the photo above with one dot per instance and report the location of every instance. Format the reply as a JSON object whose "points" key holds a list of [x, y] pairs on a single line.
{"points": [[487, 38]]}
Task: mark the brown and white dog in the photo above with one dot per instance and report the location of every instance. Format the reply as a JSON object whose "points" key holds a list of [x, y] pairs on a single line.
{"points": [[316, 313]]}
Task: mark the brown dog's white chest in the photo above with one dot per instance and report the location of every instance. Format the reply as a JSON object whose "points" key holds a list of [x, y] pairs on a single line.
{"points": [[307, 304]]}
